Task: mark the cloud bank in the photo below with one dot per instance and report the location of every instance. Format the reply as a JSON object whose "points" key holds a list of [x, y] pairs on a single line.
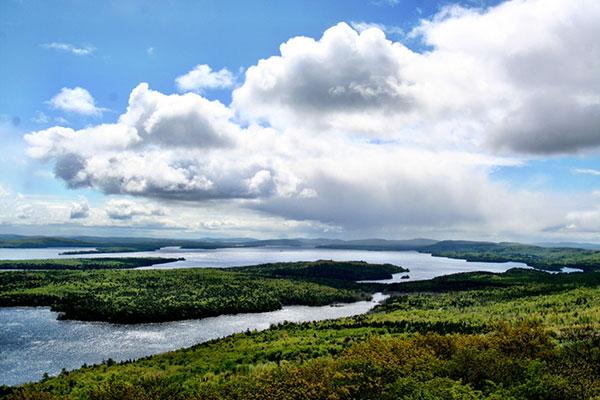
{"points": [[354, 131]]}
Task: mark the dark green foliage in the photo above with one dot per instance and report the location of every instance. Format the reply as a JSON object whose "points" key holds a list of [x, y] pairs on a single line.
{"points": [[519, 335], [515, 277], [112, 249], [548, 258], [20, 242], [161, 295], [85, 263], [326, 269]]}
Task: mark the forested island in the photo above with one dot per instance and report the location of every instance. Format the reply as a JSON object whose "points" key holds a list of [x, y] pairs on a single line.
{"points": [[523, 334], [126, 296]]}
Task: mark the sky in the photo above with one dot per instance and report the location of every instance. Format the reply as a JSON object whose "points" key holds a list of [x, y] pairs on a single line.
{"points": [[343, 119]]}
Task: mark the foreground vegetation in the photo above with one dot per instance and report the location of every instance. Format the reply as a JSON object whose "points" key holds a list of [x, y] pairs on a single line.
{"points": [[85, 263], [164, 295], [519, 335]]}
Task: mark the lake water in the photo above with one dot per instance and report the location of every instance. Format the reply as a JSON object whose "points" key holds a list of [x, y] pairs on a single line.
{"points": [[33, 341], [421, 265]]}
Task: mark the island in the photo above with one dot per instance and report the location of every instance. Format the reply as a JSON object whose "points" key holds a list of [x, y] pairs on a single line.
{"points": [[136, 296], [522, 334]]}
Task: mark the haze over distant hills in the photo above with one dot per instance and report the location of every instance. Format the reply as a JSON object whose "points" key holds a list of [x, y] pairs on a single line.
{"points": [[21, 241], [143, 243], [576, 245]]}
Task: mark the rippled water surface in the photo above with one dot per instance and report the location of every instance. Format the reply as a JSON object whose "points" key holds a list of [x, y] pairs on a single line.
{"points": [[33, 341]]}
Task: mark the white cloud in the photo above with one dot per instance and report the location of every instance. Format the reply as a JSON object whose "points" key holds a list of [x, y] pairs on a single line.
{"points": [[3, 192], [519, 77], [344, 80], [203, 77], [126, 209], [41, 118], [150, 51], [522, 69], [185, 147], [587, 171], [586, 221], [358, 133], [390, 3], [361, 26], [80, 209], [76, 100], [177, 146], [69, 48]]}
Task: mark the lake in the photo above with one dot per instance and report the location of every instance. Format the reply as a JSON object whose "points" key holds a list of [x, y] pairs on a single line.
{"points": [[421, 265], [33, 341]]}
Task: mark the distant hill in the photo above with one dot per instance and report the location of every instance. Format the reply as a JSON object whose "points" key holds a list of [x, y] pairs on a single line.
{"points": [[575, 245], [380, 244], [136, 244], [15, 241], [546, 258]]}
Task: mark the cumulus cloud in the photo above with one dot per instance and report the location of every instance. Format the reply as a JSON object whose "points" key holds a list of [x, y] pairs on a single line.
{"points": [[169, 146], [69, 48], [76, 100], [333, 82], [203, 77], [355, 131], [126, 209], [80, 209], [529, 68], [518, 77]]}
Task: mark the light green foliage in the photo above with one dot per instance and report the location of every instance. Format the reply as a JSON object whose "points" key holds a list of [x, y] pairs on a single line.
{"points": [[127, 296], [530, 336]]}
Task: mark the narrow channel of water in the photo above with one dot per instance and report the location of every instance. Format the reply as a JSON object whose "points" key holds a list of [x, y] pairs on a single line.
{"points": [[33, 341]]}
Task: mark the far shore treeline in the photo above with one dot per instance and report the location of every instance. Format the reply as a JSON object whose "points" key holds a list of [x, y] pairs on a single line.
{"points": [[548, 257]]}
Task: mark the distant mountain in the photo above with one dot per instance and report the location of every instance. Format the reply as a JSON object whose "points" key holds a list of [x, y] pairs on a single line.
{"points": [[575, 245], [380, 244], [375, 244], [132, 243], [461, 245], [15, 241]]}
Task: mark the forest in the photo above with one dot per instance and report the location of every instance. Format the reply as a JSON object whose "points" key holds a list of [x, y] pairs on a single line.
{"points": [[85, 263], [325, 269], [545, 258], [519, 335], [134, 296]]}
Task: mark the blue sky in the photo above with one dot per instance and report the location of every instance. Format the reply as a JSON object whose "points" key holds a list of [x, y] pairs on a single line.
{"points": [[109, 48], [181, 34]]}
